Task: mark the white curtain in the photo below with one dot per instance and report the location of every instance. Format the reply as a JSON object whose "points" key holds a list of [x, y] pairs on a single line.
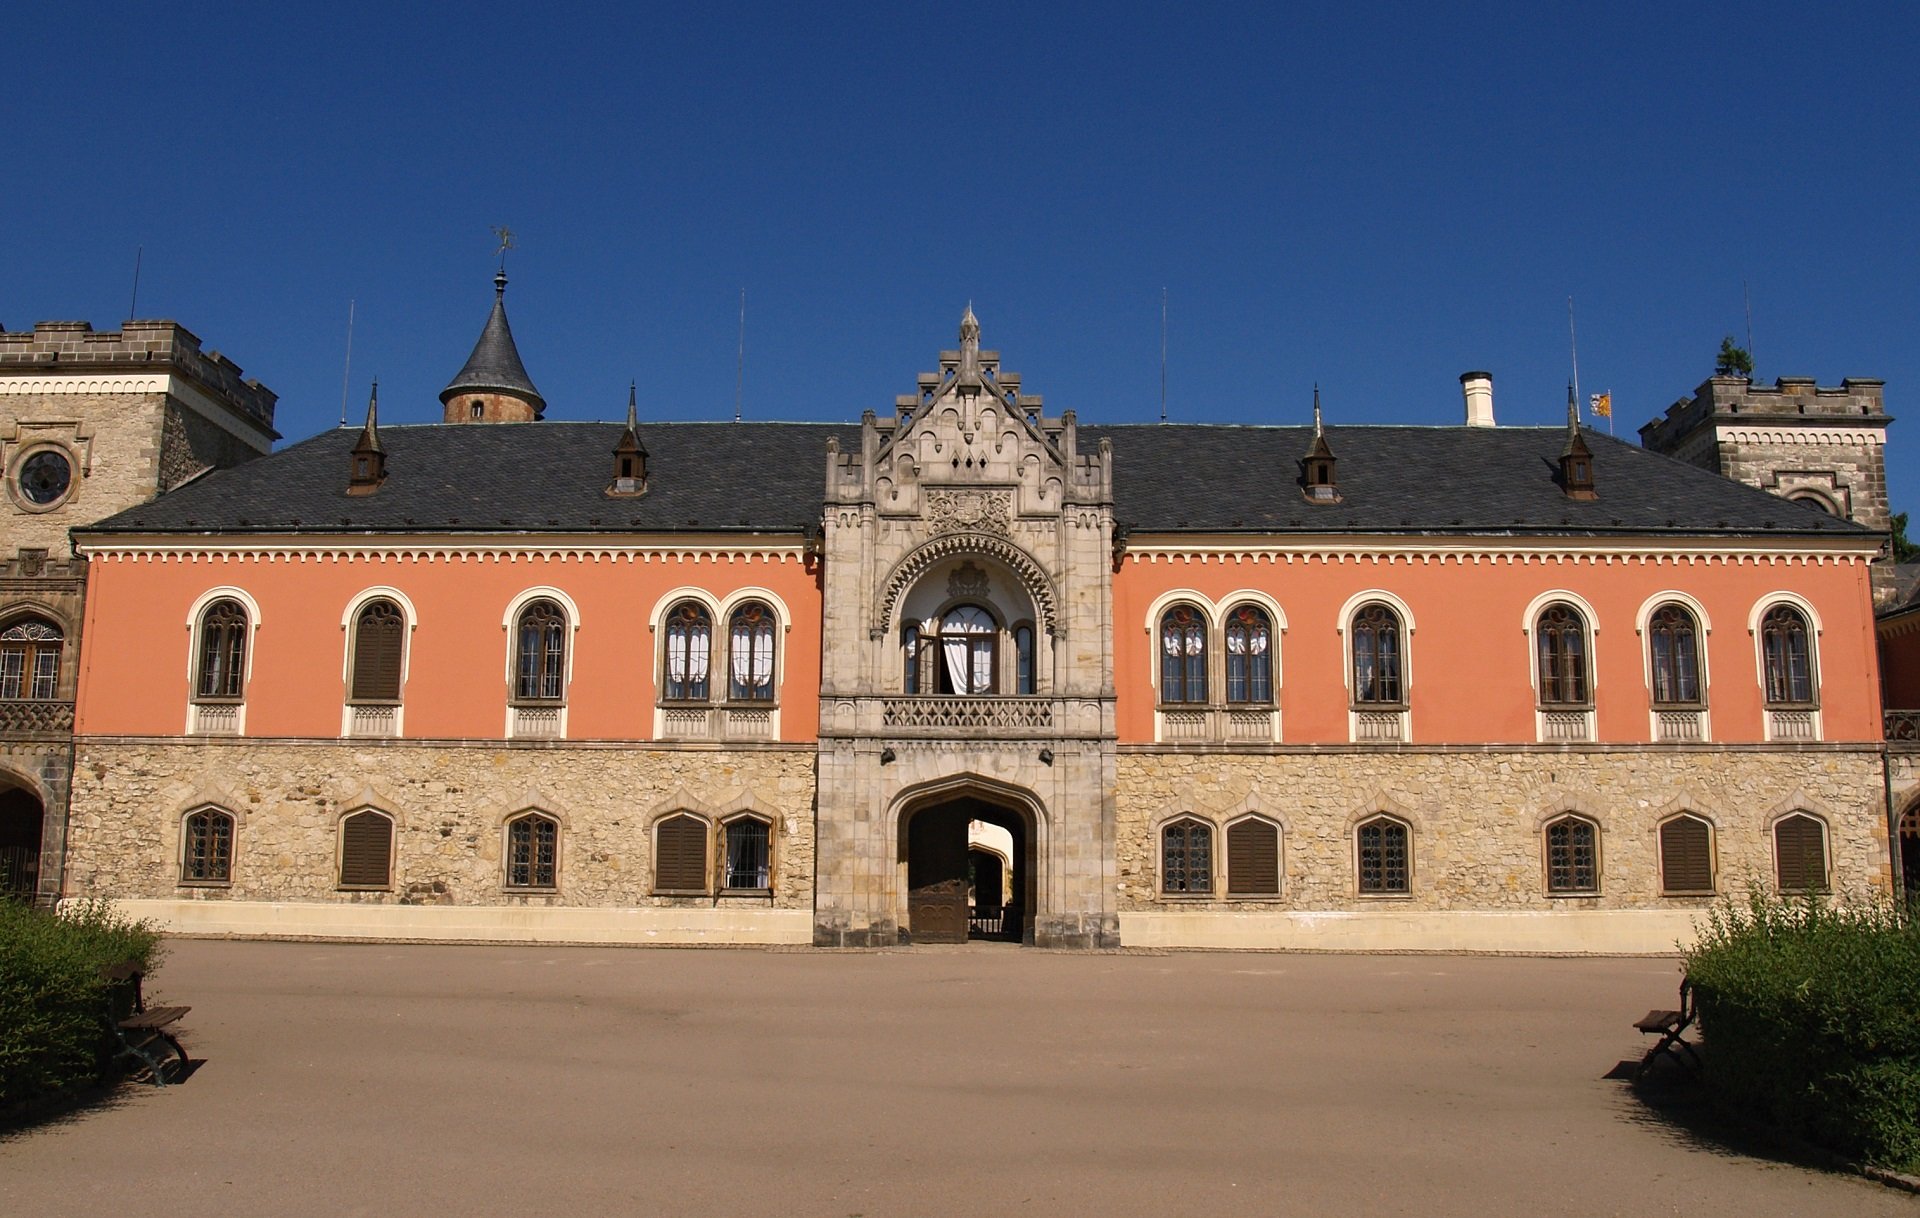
{"points": [[969, 658], [687, 653], [751, 653]]}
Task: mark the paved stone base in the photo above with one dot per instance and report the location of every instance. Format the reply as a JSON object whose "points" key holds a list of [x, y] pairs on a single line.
{"points": [[1568, 932], [457, 923]]}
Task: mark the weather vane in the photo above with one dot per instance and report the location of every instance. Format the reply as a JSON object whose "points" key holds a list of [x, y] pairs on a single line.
{"points": [[505, 235]]}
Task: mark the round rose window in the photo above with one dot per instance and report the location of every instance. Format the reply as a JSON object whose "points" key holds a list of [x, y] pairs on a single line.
{"points": [[45, 476]]}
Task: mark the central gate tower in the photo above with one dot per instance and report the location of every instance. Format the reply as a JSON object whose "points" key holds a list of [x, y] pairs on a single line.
{"points": [[967, 552]]}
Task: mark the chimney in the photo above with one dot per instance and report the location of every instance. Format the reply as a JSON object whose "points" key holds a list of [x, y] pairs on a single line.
{"points": [[1477, 388]]}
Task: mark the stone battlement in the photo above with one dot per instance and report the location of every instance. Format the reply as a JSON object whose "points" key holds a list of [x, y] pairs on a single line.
{"points": [[61, 348], [1790, 399]]}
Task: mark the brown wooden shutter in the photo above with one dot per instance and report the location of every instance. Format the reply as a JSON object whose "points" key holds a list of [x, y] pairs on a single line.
{"points": [[378, 638], [680, 855], [366, 851], [1686, 856], [1253, 858], [1800, 854]]}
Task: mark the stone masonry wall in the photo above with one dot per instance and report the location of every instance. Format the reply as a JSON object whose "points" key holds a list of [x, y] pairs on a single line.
{"points": [[450, 803], [191, 444], [113, 443], [1477, 820]]}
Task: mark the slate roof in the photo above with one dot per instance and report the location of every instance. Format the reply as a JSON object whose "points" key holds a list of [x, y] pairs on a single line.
{"points": [[770, 477], [495, 362]]}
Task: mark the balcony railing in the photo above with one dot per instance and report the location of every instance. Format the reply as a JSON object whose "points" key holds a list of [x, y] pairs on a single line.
{"points": [[966, 714], [23, 715], [1902, 725]]}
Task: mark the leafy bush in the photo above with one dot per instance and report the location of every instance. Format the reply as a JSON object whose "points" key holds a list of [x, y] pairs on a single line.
{"points": [[1811, 1017], [52, 998]]}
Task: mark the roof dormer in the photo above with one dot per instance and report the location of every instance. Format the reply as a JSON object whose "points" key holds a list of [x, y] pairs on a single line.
{"points": [[1316, 468], [1576, 459], [629, 456], [369, 461]]}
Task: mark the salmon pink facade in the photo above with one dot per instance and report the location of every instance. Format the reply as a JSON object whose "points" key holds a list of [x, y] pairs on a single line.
{"points": [[458, 604], [971, 669]]}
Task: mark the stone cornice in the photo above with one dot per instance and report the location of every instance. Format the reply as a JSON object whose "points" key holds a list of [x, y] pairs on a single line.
{"points": [[1474, 551], [1627, 747], [1785, 431], [216, 410], [439, 547], [357, 743]]}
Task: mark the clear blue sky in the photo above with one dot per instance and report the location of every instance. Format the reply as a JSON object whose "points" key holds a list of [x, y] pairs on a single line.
{"points": [[1376, 199]]}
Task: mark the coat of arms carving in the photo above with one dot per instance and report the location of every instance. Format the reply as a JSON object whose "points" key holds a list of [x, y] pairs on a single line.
{"points": [[968, 511]]}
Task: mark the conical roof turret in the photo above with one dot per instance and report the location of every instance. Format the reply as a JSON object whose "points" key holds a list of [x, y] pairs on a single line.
{"points": [[495, 367]]}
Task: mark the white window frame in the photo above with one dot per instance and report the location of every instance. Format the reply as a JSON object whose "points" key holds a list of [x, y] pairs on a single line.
{"points": [[197, 721], [1643, 621]]}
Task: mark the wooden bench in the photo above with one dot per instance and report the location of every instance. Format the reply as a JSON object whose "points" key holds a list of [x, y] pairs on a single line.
{"points": [[142, 1030], [1670, 1026]]}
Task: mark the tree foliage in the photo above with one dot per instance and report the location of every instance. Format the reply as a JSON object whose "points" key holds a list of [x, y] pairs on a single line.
{"points": [[1735, 360]]}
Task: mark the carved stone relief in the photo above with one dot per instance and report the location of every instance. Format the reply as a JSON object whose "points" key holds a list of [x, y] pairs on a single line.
{"points": [[976, 511]]}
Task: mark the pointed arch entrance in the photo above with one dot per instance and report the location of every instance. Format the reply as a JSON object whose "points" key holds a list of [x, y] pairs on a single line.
{"points": [[21, 816], [967, 861]]}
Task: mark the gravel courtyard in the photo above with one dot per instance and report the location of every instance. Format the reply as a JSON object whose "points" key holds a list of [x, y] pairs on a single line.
{"points": [[343, 1080]]}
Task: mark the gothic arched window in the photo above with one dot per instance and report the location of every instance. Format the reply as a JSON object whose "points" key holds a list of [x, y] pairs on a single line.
{"points": [[1560, 648], [379, 642], [1023, 678], [750, 637], [1789, 657], [1249, 655], [541, 661], [749, 858], [1186, 857], [910, 657], [30, 660], [1183, 655], [1385, 856], [222, 663], [689, 652], [206, 848], [366, 850], [1674, 649], [533, 851], [1377, 668], [1573, 855]]}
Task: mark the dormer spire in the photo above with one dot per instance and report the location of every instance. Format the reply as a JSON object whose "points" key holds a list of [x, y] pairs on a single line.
{"points": [[1316, 468], [630, 456], [369, 463], [1576, 459]]}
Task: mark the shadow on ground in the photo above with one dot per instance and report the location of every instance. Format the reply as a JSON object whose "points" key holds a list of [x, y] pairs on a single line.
{"points": [[74, 1107], [1673, 1101]]}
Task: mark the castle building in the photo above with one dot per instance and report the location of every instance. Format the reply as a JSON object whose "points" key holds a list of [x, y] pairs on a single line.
{"points": [[91, 423], [970, 668]]}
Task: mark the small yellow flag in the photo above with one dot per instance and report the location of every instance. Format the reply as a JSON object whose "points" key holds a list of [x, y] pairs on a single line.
{"points": [[1601, 405]]}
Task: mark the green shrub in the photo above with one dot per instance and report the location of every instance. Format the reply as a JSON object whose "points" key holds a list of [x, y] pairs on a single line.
{"points": [[1811, 1017], [52, 998]]}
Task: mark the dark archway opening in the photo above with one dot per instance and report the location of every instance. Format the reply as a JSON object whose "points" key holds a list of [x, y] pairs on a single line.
{"points": [[957, 892], [20, 819], [1910, 855]]}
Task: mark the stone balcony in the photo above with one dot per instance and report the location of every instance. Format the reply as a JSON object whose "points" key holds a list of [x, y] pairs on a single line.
{"points": [[947, 717], [23, 717]]}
